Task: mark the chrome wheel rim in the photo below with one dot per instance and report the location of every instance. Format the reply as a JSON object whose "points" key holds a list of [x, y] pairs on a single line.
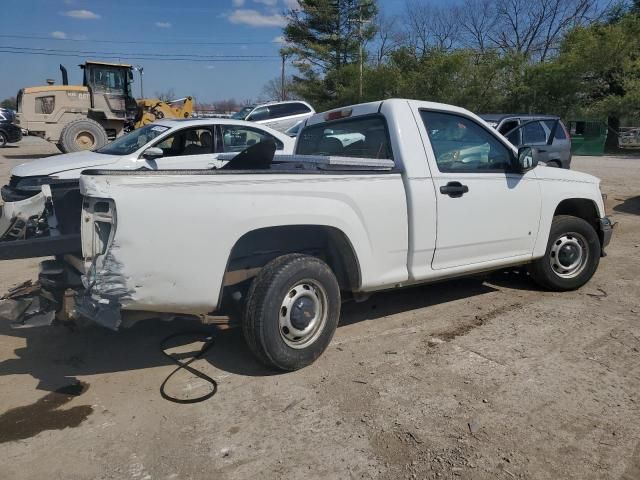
{"points": [[303, 314], [569, 254]]}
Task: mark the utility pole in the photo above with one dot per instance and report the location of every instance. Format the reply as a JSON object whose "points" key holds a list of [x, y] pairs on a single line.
{"points": [[283, 93], [361, 50], [140, 70]]}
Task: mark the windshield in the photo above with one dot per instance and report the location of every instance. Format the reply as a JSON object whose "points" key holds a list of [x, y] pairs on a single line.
{"points": [[133, 141], [242, 114], [108, 79]]}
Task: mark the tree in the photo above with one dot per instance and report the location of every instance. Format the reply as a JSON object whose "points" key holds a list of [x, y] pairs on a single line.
{"points": [[323, 37], [272, 90], [429, 27], [10, 103], [166, 96]]}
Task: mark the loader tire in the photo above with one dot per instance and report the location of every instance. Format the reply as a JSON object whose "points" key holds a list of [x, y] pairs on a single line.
{"points": [[292, 311], [83, 134]]}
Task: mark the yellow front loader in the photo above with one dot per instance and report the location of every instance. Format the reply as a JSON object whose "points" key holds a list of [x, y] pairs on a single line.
{"points": [[87, 116], [150, 110]]}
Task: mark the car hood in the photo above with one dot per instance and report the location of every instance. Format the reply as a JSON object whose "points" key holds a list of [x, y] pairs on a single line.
{"points": [[561, 174], [61, 163]]}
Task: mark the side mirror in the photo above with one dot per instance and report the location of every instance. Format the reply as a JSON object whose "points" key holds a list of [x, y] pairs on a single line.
{"points": [[527, 159], [152, 153]]}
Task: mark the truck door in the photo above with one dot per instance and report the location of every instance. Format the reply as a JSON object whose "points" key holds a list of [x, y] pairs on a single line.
{"points": [[485, 212]]}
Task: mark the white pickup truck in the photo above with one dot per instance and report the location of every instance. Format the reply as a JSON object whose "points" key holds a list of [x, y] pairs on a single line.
{"points": [[425, 192]]}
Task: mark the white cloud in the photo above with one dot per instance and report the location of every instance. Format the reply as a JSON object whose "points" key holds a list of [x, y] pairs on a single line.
{"points": [[59, 34], [237, 3], [210, 67], [270, 3], [163, 24], [257, 19], [81, 14], [291, 4], [278, 39]]}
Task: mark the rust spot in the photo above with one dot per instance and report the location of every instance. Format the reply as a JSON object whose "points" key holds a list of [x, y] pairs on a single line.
{"points": [[25, 422]]}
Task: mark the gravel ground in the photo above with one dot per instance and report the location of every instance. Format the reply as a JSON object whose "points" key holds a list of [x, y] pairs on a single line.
{"points": [[484, 378]]}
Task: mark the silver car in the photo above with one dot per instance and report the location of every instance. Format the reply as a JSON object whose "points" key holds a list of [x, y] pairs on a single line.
{"points": [[277, 115], [536, 131]]}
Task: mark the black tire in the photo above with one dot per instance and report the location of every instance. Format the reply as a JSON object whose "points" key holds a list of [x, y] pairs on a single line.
{"points": [[3, 140], [291, 278], [82, 134], [568, 236], [554, 164]]}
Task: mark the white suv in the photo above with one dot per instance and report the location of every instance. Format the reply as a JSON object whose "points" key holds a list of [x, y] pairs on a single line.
{"points": [[278, 115]]}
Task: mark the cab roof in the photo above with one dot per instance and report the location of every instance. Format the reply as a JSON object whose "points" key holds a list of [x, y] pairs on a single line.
{"points": [[95, 62]]}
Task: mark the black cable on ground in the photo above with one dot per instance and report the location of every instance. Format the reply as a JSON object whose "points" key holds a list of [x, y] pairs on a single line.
{"points": [[208, 343]]}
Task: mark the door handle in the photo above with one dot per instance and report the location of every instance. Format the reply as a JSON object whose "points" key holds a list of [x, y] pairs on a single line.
{"points": [[454, 189]]}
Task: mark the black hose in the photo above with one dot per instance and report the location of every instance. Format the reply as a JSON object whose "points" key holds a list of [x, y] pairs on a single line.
{"points": [[208, 343]]}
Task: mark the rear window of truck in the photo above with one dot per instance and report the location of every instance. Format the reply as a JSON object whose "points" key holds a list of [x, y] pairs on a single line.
{"points": [[360, 137]]}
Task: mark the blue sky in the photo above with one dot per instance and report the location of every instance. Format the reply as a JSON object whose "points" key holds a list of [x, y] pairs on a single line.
{"points": [[107, 26]]}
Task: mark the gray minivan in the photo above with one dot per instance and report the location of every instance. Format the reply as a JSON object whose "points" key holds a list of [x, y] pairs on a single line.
{"points": [[535, 131]]}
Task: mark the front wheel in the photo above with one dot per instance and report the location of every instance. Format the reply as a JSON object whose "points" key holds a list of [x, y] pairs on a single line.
{"points": [[3, 140], [572, 255], [292, 311]]}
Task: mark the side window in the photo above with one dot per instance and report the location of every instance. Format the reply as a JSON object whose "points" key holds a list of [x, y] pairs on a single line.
{"points": [[513, 136], [461, 145], [279, 111], [190, 141], [533, 133], [261, 113], [299, 108], [238, 138], [45, 105], [559, 135]]}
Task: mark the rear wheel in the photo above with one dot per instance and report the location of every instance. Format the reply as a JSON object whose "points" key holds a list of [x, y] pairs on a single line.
{"points": [[83, 134], [292, 311], [554, 163], [572, 255], [3, 140]]}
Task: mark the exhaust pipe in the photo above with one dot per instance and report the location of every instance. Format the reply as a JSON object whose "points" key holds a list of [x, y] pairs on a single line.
{"points": [[65, 77]]}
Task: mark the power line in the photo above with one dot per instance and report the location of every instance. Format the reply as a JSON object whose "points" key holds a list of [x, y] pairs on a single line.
{"points": [[147, 59], [135, 42], [124, 54]]}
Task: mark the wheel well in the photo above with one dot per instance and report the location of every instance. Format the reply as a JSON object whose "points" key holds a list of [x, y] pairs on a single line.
{"points": [[581, 208], [257, 248]]}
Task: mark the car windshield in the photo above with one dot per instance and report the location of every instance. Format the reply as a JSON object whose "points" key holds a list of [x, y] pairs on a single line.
{"points": [[133, 141], [242, 114]]}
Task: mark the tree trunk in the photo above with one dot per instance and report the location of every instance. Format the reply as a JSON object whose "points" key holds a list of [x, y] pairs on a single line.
{"points": [[613, 128]]}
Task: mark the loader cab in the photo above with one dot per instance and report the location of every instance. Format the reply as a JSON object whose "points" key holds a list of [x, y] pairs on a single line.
{"points": [[111, 91]]}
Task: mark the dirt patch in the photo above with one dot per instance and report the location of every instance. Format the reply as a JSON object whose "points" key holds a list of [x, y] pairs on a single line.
{"points": [[476, 322], [25, 422]]}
